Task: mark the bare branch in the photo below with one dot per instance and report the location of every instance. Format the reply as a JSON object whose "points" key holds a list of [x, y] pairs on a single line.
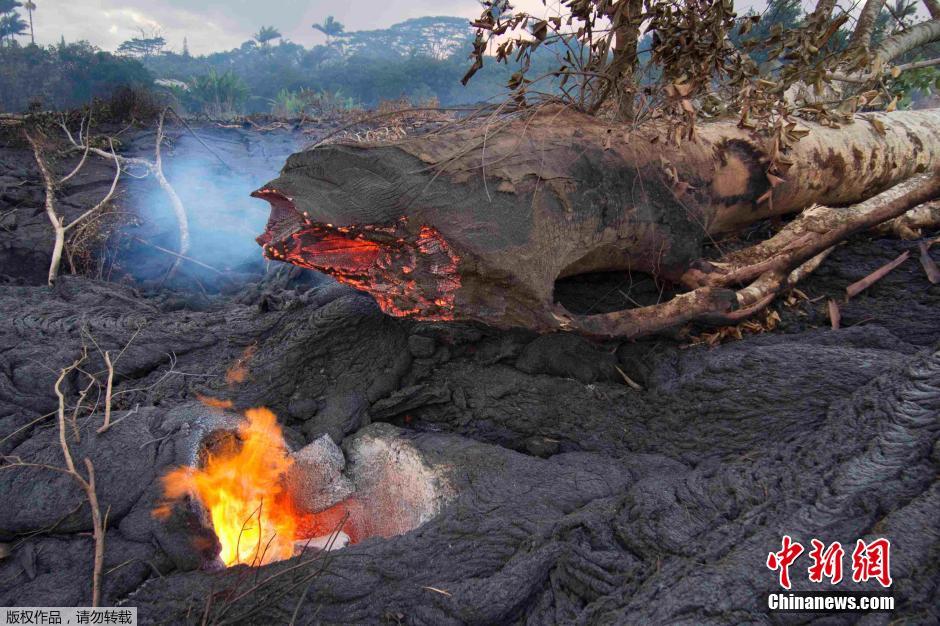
{"points": [[156, 169], [80, 163], [181, 218], [107, 393], [56, 221], [107, 198]]}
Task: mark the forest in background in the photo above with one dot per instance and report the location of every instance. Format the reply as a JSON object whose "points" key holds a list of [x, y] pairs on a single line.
{"points": [[420, 61]]}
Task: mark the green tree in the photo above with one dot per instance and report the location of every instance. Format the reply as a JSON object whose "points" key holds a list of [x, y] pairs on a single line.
{"points": [[142, 46], [219, 94], [330, 27], [30, 7], [266, 34], [11, 24]]}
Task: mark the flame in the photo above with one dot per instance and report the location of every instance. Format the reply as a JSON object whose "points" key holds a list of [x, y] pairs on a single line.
{"points": [[241, 487]]}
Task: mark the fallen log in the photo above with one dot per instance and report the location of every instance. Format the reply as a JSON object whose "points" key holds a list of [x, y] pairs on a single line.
{"points": [[479, 222]]}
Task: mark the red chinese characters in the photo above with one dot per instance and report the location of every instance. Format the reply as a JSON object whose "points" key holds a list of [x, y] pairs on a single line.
{"points": [[826, 563], [782, 560], [872, 560]]}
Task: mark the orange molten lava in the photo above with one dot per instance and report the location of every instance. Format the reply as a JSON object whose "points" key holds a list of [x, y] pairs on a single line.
{"points": [[241, 487]]}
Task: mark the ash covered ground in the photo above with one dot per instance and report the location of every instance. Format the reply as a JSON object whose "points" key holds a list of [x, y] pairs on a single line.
{"points": [[579, 499]]}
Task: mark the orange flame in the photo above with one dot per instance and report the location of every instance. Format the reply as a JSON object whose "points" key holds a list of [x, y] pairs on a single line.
{"points": [[241, 487]]}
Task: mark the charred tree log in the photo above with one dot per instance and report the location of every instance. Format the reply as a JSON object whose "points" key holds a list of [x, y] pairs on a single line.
{"points": [[479, 222]]}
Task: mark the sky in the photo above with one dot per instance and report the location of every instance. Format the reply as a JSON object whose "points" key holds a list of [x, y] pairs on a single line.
{"points": [[213, 25]]}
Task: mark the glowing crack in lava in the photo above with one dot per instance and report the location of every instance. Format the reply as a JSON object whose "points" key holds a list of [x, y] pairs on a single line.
{"points": [[410, 270], [241, 486]]}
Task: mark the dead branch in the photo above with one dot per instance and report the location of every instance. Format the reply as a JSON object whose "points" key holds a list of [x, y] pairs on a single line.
{"points": [[861, 285], [154, 168], [177, 204], [179, 256], [81, 163], [58, 222], [815, 230], [107, 393], [88, 486], [767, 269]]}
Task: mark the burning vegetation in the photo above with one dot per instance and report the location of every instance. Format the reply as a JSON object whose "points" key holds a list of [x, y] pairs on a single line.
{"points": [[241, 486]]}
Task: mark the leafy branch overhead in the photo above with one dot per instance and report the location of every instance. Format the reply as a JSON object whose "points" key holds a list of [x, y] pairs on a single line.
{"points": [[701, 59]]}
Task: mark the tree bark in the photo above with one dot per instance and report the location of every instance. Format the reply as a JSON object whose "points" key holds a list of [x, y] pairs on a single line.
{"points": [[480, 222], [823, 10], [627, 26], [933, 7], [861, 36], [914, 37]]}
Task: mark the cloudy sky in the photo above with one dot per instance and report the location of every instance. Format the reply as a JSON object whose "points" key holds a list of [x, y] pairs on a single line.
{"points": [[211, 25]]}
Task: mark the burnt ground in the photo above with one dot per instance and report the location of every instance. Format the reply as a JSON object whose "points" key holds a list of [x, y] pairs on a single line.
{"points": [[579, 499]]}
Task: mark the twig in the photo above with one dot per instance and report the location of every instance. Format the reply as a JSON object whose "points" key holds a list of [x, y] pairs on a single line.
{"points": [[89, 488], [632, 383], [859, 286], [835, 316], [80, 163], [198, 138], [440, 591], [107, 394], [181, 256]]}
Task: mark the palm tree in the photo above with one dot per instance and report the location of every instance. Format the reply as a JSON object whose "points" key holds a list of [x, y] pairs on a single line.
{"points": [[330, 27], [30, 7], [266, 34], [11, 24]]}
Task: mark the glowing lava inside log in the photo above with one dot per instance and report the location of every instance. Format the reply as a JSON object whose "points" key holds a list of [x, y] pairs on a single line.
{"points": [[241, 486], [409, 269]]}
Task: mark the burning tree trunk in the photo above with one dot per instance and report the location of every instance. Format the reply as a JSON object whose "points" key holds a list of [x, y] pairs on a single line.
{"points": [[480, 222]]}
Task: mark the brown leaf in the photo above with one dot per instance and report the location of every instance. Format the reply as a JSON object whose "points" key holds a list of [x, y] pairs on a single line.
{"points": [[893, 105]]}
